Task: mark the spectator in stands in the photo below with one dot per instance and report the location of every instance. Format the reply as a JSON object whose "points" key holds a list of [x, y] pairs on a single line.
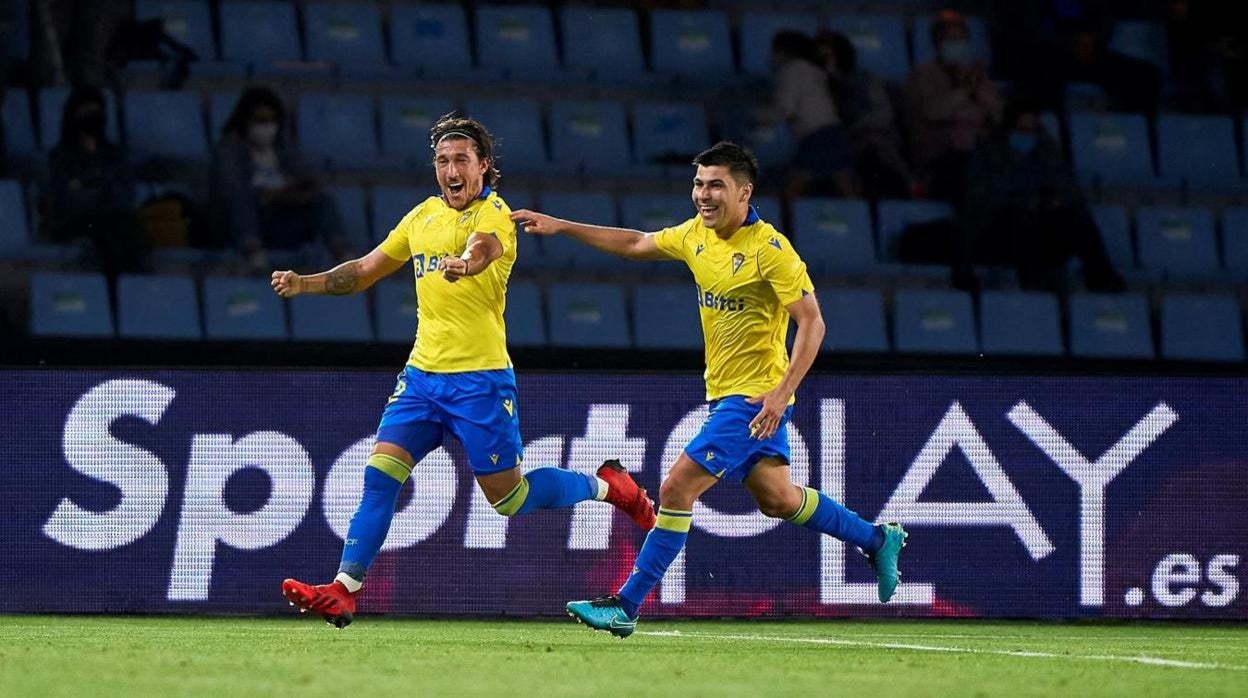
{"points": [[866, 108], [265, 196], [1129, 84], [1208, 43], [91, 191], [804, 100], [950, 106]]}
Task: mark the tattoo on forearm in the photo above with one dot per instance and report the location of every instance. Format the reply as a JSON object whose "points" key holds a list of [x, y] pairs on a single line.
{"points": [[342, 279]]}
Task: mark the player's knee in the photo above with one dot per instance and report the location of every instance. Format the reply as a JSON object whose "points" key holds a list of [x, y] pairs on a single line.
{"points": [[673, 496], [779, 504]]}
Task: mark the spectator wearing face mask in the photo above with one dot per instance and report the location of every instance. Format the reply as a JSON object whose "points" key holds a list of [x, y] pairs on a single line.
{"points": [[90, 188], [950, 105], [266, 197]]}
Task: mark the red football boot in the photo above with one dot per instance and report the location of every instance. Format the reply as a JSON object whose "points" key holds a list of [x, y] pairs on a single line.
{"points": [[624, 494], [330, 601]]}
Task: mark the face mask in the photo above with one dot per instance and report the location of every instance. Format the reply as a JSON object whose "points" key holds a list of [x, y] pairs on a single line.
{"points": [[1022, 143], [955, 51], [91, 123], [262, 134]]}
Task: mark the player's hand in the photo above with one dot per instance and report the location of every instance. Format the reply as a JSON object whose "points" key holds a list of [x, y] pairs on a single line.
{"points": [[287, 283], [535, 223], [454, 268], [767, 421]]}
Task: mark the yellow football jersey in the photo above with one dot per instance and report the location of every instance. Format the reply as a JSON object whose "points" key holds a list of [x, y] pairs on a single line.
{"points": [[459, 326], [744, 284]]}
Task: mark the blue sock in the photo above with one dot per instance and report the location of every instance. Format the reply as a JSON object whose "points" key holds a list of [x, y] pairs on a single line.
{"points": [[662, 545], [547, 488], [383, 478], [821, 513]]}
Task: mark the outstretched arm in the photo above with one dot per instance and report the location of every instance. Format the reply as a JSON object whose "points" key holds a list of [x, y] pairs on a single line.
{"points": [[621, 242], [481, 251], [349, 277]]}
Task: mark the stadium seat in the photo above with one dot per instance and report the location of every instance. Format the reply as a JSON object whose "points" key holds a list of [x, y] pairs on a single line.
{"points": [[562, 252], [666, 317], [1198, 150], [346, 33], [339, 127], [525, 319], [19, 129], [331, 318], [934, 322], [1110, 147], [517, 127], [394, 309], [242, 309], [515, 37], [349, 202], [1235, 237], [587, 315], [895, 215], [220, 105], [52, 103], [1115, 231], [833, 234], [390, 205], [880, 41], [70, 305], [757, 30], [589, 134], [405, 124], [692, 44], [652, 212], [924, 52], [259, 31], [771, 141], [1201, 328], [187, 21], [14, 226], [431, 37], [1110, 326], [670, 132], [1177, 239], [771, 210], [855, 320], [1020, 323], [603, 40], [157, 307], [1143, 40], [166, 124]]}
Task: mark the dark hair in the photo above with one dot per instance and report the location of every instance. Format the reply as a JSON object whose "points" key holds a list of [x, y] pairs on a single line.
{"points": [[454, 126], [943, 22], [77, 99], [739, 161], [795, 44], [252, 98], [841, 48]]}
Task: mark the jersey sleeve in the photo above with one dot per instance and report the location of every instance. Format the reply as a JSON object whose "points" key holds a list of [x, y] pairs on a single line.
{"points": [[397, 244], [671, 241], [781, 267], [495, 219]]}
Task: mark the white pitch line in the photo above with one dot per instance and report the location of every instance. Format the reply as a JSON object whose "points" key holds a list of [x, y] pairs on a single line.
{"points": [[1153, 661]]}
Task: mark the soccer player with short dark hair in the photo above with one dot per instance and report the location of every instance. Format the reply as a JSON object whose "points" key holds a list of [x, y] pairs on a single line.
{"points": [[458, 380], [750, 281]]}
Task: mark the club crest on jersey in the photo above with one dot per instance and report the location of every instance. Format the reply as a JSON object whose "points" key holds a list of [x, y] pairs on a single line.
{"points": [[737, 260]]}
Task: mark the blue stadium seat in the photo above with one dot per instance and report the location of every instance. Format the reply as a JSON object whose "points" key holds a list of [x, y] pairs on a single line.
{"points": [[562, 252], [934, 322], [52, 102], [70, 305], [345, 33], [924, 52], [352, 211], [14, 226], [19, 128], [771, 141], [1113, 148], [1052, 125], [1199, 150], [390, 205], [833, 234], [166, 124], [1177, 239], [1020, 322], [757, 31], [589, 134], [652, 212], [1115, 231], [405, 123], [880, 41], [394, 309], [517, 126], [516, 37], [854, 319], [240, 308], [665, 316], [669, 131], [895, 215], [1201, 328], [220, 105], [603, 40], [1235, 237], [157, 307], [188, 21], [770, 209], [693, 44], [331, 318], [587, 315], [259, 31], [339, 127], [525, 320], [1110, 326], [429, 36], [1144, 40]]}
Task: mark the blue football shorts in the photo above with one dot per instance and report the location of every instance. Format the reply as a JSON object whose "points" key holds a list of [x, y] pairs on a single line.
{"points": [[724, 445]]}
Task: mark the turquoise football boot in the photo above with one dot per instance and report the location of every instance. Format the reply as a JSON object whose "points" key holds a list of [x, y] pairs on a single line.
{"points": [[603, 613], [884, 561]]}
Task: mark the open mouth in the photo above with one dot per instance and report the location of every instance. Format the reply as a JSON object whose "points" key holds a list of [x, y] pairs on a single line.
{"points": [[707, 210], [455, 189]]}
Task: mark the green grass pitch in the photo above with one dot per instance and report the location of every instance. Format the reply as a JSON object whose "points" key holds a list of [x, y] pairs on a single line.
{"points": [[166, 656]]}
